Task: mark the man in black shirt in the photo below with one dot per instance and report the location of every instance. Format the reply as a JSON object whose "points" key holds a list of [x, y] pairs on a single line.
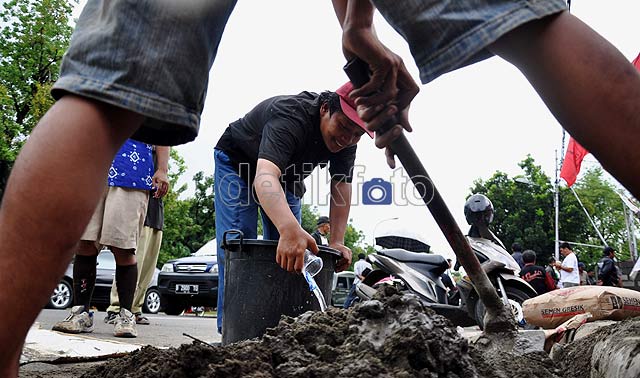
{"points": [[262, 159], [535, 275], [607, 270], [322, 230]]}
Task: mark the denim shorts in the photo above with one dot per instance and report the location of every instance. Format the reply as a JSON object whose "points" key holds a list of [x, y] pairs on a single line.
{"points": [[447, 35], [149, 56]]}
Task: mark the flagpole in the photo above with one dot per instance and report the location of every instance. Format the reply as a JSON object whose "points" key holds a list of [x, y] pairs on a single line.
{"points": [[556, 205]]}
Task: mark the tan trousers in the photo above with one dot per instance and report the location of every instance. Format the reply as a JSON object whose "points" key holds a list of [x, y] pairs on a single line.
{"points": [[147, 256]]}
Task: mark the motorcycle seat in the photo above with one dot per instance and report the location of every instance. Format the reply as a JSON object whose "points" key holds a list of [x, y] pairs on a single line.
{"points": [[414, 257]]}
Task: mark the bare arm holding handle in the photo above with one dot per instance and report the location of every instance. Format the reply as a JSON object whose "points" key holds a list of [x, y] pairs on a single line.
{"points": [[391, 88]]}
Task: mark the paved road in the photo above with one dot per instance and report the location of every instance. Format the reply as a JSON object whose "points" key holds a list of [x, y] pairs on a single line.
{"points": [[164, 330]]}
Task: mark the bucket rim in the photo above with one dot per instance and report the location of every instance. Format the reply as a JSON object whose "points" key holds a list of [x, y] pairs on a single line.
{"points": [[274, 243]]}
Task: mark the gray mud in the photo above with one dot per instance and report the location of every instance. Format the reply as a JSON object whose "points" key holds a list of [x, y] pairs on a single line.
{"points": [[575, 358], [391, 336], [505, 364]]}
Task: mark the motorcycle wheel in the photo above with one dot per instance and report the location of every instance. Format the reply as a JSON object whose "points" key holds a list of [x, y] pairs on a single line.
{"points": [[516, 297]]}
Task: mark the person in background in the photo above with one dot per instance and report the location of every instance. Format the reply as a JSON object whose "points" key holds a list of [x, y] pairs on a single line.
{"points": [[584, 276], [117, 223], [569, 275], [322, 230], [550, 268], [608, 274], [536, 275], [516, 250], [147, 257], [360, 269], [447, 280]]}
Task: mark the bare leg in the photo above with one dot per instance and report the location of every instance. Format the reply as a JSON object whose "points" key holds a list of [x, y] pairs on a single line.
{"points": [[52, 192], [589, 86]]}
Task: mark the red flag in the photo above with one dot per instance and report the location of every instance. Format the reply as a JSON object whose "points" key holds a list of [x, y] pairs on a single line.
{"points": [[572, 161], [636, 62]]}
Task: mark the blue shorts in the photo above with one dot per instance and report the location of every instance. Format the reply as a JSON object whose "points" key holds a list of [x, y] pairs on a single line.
{"points": [[149, 56], [447, 35]]}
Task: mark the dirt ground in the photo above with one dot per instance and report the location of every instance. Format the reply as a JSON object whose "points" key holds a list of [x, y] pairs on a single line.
{"points": [[392, 336]]}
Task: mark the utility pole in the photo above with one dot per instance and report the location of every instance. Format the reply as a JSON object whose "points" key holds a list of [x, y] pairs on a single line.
{"points": [[556, 204]]}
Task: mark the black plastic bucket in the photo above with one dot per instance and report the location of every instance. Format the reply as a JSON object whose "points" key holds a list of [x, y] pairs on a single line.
{"points": [[257, 291]]}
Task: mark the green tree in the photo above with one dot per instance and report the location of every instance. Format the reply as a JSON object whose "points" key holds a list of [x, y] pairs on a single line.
{"points": [[177, 219], [34, 35], [201, 210], [309, 217], [189, 222], [600, 199], [524, 211]]}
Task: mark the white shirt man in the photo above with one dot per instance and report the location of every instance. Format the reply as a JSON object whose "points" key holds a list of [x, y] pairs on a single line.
{"points": [[358, 268], [569, 274]]}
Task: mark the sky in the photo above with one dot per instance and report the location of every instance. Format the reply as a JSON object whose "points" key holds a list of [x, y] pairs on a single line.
{"points": [[467, 124]]}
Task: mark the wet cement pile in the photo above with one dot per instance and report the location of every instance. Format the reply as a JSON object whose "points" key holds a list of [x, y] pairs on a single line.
{"points": [[392, 336], [574, 358]]}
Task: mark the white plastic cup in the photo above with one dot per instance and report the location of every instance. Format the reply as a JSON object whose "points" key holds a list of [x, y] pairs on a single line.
{"points": [[312, 263]]}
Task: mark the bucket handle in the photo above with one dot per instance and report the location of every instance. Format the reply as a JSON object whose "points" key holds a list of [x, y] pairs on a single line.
{"points": [[233, 232]]}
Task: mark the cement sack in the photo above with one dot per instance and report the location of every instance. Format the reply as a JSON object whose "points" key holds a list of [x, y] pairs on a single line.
{"points": [[603, 302]]}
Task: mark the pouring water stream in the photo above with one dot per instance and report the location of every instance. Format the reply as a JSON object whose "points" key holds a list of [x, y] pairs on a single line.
{"points": [[312, 266]]}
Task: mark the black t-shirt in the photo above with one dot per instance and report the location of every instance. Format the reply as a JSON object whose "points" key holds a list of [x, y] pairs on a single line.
{"points": [[286, 131], [155, 213], [535, 276]]}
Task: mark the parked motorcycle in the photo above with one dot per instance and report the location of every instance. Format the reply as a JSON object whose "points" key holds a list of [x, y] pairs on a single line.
{"points": [[420, 273]]}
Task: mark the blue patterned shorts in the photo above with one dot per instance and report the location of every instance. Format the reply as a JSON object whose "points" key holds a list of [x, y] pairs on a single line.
{"points": [[445, 35], [148, 56]]}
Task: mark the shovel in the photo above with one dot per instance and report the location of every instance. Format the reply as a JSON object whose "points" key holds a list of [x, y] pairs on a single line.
{"points": [[497, 319]]}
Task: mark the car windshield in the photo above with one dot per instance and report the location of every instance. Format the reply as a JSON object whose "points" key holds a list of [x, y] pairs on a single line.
{"points": [[209, 249], [106, 260]]}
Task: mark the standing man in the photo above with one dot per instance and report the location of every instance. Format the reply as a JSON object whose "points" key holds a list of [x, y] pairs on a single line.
{"points": [[536, 275], [550, 268], [146, 255], [516, 250], [322, 230], [269, 152], [607, 270], [568, 268], [584, 275], [359, 269], [116, 223], [447, 281]]}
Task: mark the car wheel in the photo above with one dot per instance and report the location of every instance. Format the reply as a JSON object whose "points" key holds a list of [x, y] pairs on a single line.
{"points": [[174, 306], [62, 296], [151, 303]]}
